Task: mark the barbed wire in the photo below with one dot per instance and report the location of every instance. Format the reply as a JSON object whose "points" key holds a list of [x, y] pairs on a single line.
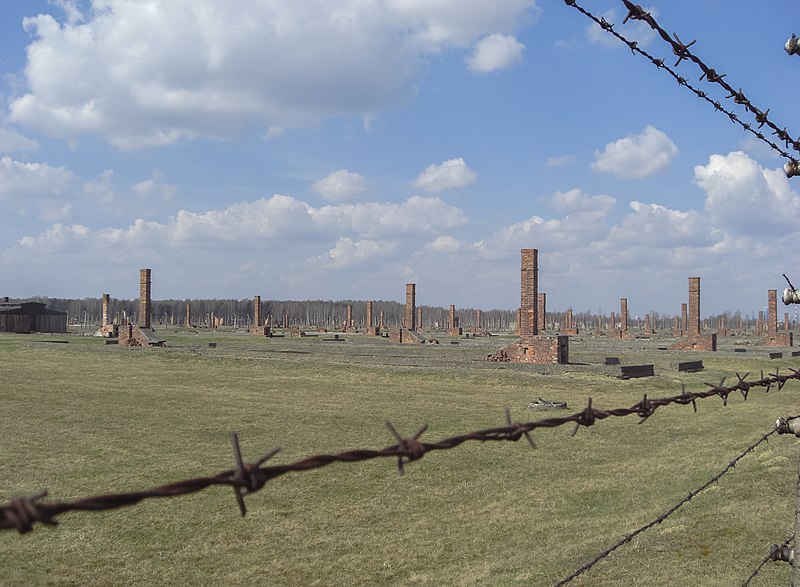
{"points": [[22, 513], [682, 52], [692, 494], [775, 552]]}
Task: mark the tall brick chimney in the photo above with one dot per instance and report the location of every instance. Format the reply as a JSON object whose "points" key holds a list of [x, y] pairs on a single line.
{"points": [[411, 302], [529, 292], [144, 298], [256, 311], [623, 314], [542, 303], [694, 306], [684, 318], [369, 314], [106, 299], [772, 316]]}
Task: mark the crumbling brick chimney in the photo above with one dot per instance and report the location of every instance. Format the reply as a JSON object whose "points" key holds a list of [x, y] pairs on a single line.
{"points": [[144, 298]]}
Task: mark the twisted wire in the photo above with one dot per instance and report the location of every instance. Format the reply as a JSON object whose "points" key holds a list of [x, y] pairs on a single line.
{"points": [[692, 494], [681, 50], [773, 551], [22, 513]]}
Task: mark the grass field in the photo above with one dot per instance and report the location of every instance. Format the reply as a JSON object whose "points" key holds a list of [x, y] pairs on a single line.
{"points": [[84, 418]]}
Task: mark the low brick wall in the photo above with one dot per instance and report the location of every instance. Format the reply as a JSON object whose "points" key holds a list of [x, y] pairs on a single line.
{"points": [[534, 349]]}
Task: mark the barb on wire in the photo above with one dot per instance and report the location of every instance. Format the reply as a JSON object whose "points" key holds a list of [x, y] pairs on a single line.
{"points": [[21, 513], [772, 556], [682, 51], [692, 494]]}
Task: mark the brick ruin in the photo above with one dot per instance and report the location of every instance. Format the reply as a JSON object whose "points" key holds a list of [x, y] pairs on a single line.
{"points": [[349, 324], [140, 334], [258, 328], [455, 328], [773, 337], [372, 330], [542, 310], [786, 321], [623, 333], [684, 319], [531, 346], [107, 329], [695, 341], [569, 326], [760, 323], [145, 306], [188, 322], [406, 334], [411, 303]]}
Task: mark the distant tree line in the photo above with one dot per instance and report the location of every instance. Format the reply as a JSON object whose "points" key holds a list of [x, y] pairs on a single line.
{"points": [[333, 314]]}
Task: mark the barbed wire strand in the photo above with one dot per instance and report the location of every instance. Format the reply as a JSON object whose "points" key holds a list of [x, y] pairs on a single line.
{"points": [[692, 494], [23, 512], [681, 50], [771, 556]]}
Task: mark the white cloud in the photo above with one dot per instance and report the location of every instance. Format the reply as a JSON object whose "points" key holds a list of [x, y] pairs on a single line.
{"points": [[348, 253], [655, 225], [56, 238], [155, 187], [24, 182], [560, 161], [340, 185], [495, 52], [451, 174], [444, 244], [637, 156], [11, 141], [182, 69], [745, 197], [576, 202]]}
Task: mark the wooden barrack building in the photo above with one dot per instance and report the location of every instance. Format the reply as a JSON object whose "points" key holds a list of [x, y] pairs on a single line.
{"points": [[27, 317]]}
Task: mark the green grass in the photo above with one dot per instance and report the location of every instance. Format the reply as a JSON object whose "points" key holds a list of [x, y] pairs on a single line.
{"points": [[83, 418]]}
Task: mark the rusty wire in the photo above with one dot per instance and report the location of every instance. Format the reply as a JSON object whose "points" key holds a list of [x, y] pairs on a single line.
{"points": [[23, 512], [772, 556], [692, 494], [682, 52]]}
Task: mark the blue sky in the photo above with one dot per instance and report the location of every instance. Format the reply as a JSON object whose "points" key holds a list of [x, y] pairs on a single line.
{"points": [[339, 149]]}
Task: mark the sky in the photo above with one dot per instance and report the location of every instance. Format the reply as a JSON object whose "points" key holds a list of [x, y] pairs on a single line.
{"points": [[339, 149]]}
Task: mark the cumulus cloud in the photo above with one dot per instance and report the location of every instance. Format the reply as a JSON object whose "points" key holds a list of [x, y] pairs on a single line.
{"points": [[451, 174], [585, 220], [655, 225], [155, 186], [340, 185], [743, 196], [25, 182], [183, 69], [281, 218], [56, 238], [444, 244], [575, 201], [495, 52], [636, 156], [11, 141], [348, 253]]}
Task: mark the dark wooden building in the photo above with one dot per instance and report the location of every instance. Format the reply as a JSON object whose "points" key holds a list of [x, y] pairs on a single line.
{"points": [[27, 317]]}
